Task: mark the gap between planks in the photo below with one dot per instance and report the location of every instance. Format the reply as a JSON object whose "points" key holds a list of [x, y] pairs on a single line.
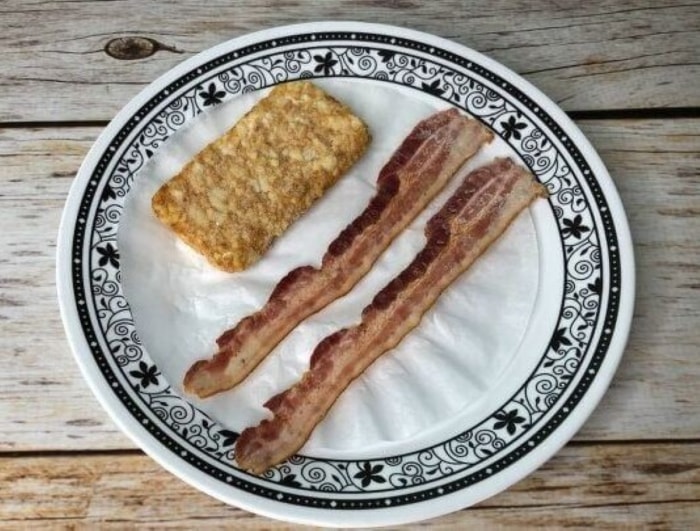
{"points": [[117, 452], [607, 114]]}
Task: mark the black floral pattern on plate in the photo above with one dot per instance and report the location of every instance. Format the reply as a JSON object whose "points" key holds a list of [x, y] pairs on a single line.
{"points": [[508, 420], [146, 374], [325, 64], [512, 128], [212, 95], [574, 227], [108, 255], [370, 474]]}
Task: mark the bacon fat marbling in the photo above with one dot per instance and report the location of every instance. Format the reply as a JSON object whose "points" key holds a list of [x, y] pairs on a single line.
{"points": [[476, 214], [415, 173]]}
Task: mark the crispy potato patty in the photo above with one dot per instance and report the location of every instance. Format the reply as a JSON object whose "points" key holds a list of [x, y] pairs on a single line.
{"points": [[245, 188]]}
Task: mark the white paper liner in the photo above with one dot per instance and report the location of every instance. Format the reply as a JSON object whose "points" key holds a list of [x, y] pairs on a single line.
{"points": [[181, 304]]}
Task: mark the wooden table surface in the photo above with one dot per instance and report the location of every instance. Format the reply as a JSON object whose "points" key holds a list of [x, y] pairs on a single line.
{"points": [[626, 72]]}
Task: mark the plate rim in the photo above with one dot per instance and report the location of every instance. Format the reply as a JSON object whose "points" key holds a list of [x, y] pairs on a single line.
{"points": [[392, 515]]}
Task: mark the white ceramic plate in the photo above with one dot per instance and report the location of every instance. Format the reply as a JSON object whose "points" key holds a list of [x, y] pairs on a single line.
{"points": [[545, 384]]}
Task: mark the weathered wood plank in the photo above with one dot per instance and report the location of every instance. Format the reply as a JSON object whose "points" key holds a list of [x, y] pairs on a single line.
{"points": [[42, 395], [44, 404], [585, 55], [605, 485], [656, 167]]}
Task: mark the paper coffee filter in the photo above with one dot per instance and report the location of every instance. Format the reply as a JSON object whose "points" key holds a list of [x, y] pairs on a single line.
{"points": [[447, 365]]}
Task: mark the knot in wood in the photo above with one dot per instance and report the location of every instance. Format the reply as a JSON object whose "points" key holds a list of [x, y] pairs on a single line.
{"points": [[130, 48]]}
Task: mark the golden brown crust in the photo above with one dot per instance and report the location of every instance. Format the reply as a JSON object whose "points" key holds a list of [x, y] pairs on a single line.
{"points": [[248, 186]]}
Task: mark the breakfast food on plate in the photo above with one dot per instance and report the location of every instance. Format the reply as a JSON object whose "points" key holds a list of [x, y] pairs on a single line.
{"points": [[416, 172], [248, 186], [476, 214]]}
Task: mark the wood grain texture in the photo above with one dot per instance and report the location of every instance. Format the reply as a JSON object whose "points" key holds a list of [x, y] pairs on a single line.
{"points": [[585, 55], [606, 486], [656, 167], [42, 395], [45, 405]]}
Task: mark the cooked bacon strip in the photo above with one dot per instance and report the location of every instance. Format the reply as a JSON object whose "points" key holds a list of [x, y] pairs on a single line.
{"points": [[478, 212], [416, 172]]}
